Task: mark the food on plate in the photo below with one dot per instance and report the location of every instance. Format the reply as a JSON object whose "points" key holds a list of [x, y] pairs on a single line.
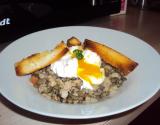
{"points": [[40, 60], [73, 41], [111, 56], [76, 72]]}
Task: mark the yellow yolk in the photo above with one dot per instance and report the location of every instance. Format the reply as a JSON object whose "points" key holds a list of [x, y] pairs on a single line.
{"points": [[86, 70]]}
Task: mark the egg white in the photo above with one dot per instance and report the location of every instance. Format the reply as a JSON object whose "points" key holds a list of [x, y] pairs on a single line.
{"points": [[68, 66]]}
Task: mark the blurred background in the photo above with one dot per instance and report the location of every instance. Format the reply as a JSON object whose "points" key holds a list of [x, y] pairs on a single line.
{"points": [[20, 17]]}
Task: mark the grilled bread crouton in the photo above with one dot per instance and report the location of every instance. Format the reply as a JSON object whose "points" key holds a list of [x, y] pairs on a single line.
{"points": [[38, 61], [73, 41], [111, 56]]}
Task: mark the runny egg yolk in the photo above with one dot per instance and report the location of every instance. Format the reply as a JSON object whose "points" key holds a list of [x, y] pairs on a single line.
{"points": [[86, 71]]}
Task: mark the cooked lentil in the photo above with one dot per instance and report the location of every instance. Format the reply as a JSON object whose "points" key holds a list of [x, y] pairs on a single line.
{"points": [[68, 90]]}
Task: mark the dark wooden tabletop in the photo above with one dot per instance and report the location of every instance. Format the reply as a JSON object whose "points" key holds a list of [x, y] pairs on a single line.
{"points": [[144, 24]]}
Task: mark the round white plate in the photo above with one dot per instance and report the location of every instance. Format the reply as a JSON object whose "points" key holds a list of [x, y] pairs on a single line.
{"points": [[141, 84]]}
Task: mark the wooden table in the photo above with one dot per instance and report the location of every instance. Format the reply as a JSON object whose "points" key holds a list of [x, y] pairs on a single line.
{"points": [[135, 22]]}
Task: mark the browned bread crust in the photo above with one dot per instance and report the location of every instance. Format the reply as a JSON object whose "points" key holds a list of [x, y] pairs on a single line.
{"points": [[73, 41], [38, 61], [111, 56]]}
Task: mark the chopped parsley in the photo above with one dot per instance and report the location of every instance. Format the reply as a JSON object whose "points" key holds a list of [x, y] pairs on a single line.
{"points": [[78, 53]]}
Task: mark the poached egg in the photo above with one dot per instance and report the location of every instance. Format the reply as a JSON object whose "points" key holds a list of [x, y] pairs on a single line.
{"points": [[88, 69]]}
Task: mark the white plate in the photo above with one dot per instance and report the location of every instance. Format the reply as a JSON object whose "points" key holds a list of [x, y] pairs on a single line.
{"points": [[141, 84]]}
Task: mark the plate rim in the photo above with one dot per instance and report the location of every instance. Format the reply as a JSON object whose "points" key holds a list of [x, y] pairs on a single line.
{"points": [[72, 116]]}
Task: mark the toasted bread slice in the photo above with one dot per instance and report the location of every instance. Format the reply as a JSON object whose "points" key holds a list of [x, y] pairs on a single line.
{"points": [[111, 56], [73, 41], [40, 60]]}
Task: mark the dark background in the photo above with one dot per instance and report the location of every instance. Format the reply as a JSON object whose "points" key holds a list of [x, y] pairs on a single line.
{"points": [[28, 16]]}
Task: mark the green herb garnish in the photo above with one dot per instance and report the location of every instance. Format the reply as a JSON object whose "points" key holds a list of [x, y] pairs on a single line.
{"points": [[78, 53]]}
